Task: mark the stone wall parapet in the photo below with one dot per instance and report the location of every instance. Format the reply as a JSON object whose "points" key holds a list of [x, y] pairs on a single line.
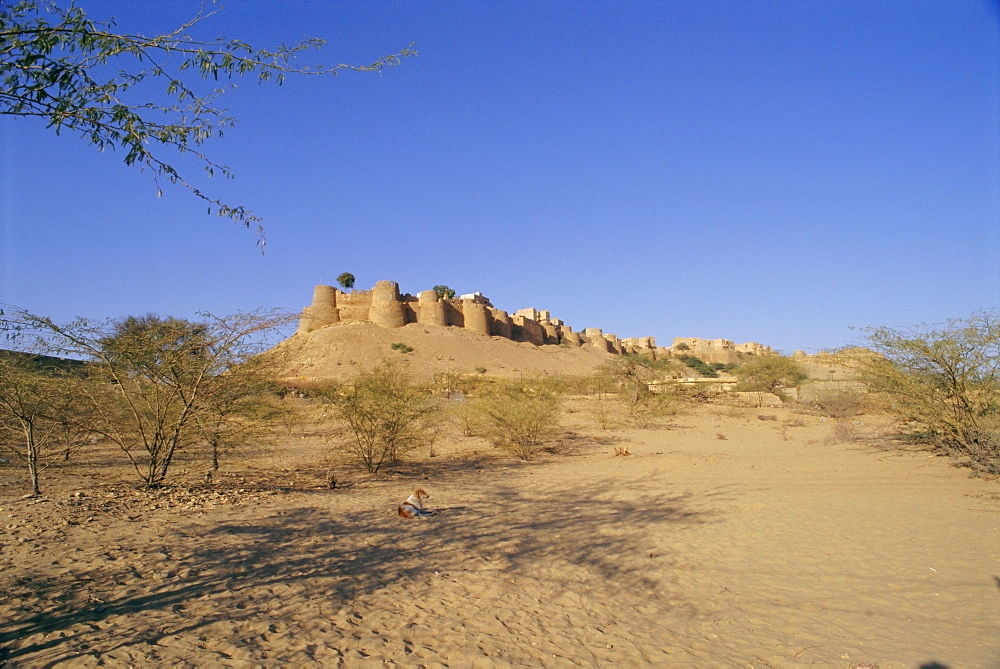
{"points": [[384, 306]]}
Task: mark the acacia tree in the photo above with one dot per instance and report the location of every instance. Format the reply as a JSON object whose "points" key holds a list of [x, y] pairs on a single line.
{"points": [[632, 372], [85, 76], [38, 411], [769, 373], [153, 377], [519, 418], [633, 375], [944, 378], [383, 413], [243, 408]]}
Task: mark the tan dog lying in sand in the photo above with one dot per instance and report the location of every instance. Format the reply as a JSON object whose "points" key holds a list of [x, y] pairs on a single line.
{"points": [[413, 507]]}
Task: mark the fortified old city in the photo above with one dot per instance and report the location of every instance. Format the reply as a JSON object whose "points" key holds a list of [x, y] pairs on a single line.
{"points": [[384, 306]]}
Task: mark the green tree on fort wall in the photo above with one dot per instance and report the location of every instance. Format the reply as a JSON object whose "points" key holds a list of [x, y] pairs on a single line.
{"points": [[444, 292], [346, 280]]}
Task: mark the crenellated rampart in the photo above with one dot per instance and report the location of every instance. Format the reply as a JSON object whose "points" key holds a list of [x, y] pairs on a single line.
{"points": [[384, 306], [718, 350]]}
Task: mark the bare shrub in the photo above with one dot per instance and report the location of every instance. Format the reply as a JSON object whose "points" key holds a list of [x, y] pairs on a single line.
{"points": [[842, 403], [651, 409], [384, 415], [785, 425], [466, 416], [845, 431], [519, 419], [605, 412]]}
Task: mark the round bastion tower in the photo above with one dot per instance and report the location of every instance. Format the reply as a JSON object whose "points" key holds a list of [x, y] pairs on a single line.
{"points": [[323, 310], [430, 310], [499, 323], [385, 307], [387, 311], [477, 318], [572, 337]]}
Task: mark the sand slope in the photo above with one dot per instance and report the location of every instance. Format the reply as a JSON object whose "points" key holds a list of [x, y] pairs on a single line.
{"points": [[717, 542], [339, 351]]}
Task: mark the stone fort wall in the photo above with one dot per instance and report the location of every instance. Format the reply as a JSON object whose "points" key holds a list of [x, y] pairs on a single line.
{"points": [[384, 306], [718, 350]]}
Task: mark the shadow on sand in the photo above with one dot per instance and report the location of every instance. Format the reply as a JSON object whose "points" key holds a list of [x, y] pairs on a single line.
{"points": [[243, 566]]}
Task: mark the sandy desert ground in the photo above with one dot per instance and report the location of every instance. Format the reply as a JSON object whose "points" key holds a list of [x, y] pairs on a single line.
{"points": [[721, 540]]}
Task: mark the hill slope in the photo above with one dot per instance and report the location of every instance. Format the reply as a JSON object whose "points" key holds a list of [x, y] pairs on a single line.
{"points": [[341, 350]]}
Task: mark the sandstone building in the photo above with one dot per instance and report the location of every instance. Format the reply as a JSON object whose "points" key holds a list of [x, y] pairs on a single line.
{"points": [[384, 306], [718, 350]]}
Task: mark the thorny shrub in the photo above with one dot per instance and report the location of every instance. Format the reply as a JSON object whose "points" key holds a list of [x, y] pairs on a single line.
{"points": [[518, 418], [384, 415]]}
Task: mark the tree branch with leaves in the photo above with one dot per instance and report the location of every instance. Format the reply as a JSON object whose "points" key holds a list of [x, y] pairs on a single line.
{"points": [[84, 76]]}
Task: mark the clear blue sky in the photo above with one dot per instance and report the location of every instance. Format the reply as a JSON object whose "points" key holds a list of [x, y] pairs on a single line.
{"points": [[771, 171]]}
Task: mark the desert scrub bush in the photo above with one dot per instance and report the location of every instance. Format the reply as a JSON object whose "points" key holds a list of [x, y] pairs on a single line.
{"points": [[564, 384], [465, 416], [450, 382], [698, 365], [845, 431], [841, 402], [455, 383], [383, 415], [518, 418], [630, 377], [604, 412], [943, 379], [648, 411], [401, 347]]}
